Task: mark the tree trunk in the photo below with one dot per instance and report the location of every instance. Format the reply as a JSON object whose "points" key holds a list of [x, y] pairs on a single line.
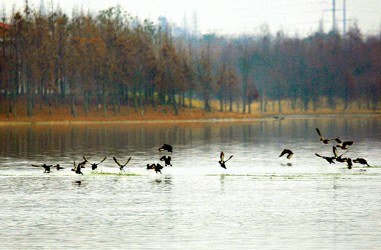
{"points": [[174, 103], [73, 108]]}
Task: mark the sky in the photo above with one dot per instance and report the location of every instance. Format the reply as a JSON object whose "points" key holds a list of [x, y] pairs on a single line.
{"points": [[234, 17]]}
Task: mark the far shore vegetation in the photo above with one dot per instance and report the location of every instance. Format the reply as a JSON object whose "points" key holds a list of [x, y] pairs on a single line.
{"points": [[111, 65]]}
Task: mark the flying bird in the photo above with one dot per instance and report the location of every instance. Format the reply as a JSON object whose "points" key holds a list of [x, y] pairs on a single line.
{"points": [[222, 161], [46, 167], [343, 144], [167, 160], [361, 161], [58, 167], [77, 168], [338, 157], [288, 152], [327, 158], [121, 166], [166, 147], [157, 167], [95, 165], [322, 139], [349, 162]]}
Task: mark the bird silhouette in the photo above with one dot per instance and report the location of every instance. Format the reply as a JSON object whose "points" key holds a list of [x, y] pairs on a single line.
{"points": [[322, 139], [167, 160], [77, 168], [58, 167], [95, 165], [343, 144], [222, 161], [361, 161], [45, 166], [157, 167], [349, 162], [338, 157], [327, 158], [288, 152], [167, 147], [121, 166]]}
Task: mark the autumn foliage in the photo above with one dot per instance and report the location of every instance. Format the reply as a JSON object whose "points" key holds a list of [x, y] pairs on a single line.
{"points": [[112, 61]]}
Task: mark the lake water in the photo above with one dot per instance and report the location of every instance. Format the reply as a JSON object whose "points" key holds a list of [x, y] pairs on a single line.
{"points": [[259, 201]]}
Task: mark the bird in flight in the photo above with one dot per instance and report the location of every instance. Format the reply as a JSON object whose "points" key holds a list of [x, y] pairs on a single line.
{"points": [[95, 165], [121, 166], [287, 152], [343, 144], [167, 160], [46, 167], [157, 167], [361, 161], [222, 161], [322, 139], [167, 147], [327, 158]]}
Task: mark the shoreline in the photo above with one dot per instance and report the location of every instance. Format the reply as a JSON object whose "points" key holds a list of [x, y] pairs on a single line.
{"points": [[233, 118]]}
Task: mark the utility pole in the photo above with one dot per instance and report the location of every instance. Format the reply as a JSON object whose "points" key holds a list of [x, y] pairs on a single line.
{"points": [[334, 16], [344, 17]]}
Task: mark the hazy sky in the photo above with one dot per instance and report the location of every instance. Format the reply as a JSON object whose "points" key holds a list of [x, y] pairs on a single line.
{"points": [[234, 16]]}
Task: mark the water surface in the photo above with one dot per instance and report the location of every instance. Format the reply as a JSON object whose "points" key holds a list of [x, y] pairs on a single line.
{"points": [[260, 201]]}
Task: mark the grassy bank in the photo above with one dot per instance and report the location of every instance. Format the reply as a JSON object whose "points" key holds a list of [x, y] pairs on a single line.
{"points": [[60, 114]]}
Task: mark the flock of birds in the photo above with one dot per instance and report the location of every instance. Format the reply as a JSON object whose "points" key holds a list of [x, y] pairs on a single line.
{"points": [[77, 168], [336, 157]]}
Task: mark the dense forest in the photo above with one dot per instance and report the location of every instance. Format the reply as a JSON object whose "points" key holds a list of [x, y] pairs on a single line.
{"points": [[113, 60]]}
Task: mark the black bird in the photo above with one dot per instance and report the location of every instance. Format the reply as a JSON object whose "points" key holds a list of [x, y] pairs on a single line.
{"points": [[83, 163], [58, 167], [338, 157], [167, 160], [327, 158], [166, 147], [95, 165], [361, 161], [121, 166], [322, 139], [221, 161], [157, 167], [77, 168], [46, 167], [343, 144], [349, 162], [288, 152]]}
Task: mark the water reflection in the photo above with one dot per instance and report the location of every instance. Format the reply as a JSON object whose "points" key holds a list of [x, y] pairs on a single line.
{"points": [[59, 141], [259, 201]]}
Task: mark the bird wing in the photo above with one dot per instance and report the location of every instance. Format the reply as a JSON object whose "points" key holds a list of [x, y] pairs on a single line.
{"points": [[116, 161], [85, 158], [334, 150], [35, 165], [162, 158], [338, 140], [318, 155], [283, 152], [318, 131], [222, 156], [102, 160], [347, 143], [229, 158], [128, 160]]}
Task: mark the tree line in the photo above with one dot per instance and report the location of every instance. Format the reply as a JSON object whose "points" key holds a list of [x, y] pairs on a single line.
{"points": [[113, 60]]}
